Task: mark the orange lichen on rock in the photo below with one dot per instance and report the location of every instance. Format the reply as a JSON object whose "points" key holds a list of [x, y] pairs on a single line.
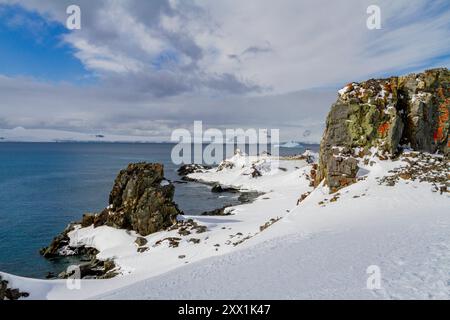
{"points": [[439, 134], [383, 129]]}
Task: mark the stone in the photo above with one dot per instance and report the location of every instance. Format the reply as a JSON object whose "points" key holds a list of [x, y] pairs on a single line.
{"points": [[87, 220], [7, 293], [57, 243], [139, 200], [140, 241], [186, 169], [142, 249], [217, 188], [388, 114]]}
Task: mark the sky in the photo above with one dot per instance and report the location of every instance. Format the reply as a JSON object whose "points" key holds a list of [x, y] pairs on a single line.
{"points": [[145, 68]]}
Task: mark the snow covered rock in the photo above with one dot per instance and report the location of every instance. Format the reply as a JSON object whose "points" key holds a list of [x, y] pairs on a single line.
{"points": [[385, 113], [139, 202], [186, 169]]}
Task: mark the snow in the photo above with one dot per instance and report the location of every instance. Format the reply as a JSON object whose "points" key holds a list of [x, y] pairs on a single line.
{"points": [[344, 90], [320, 248]]}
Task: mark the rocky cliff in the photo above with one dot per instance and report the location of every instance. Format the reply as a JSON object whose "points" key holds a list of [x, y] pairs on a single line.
{"points": [[140, 200], [389, 115]]}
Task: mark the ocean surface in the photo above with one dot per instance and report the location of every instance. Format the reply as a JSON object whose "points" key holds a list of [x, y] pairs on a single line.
{"points": [[45, 186]]}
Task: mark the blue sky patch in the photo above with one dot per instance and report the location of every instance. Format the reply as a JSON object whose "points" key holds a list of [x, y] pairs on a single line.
{"points": [[31, 45]]}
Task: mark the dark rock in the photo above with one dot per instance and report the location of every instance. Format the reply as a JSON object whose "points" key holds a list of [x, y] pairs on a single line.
{"points": [[248, 196], [225, 165], [386, 113], [303, 197], [87, 220], [140, 241], [95, 269], [173, 242], [186, 169], [217, 212], [217, 188], [57, 243], [142, 249], [7, 293], [140, 201], [184, 232], [255, 172]]}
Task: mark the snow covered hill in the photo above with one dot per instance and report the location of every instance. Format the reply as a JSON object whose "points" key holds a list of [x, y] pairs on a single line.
{"points": [[275, 249]]}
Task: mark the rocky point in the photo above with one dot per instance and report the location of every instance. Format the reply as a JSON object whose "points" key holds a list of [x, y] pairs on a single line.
{"points": [[141, 200], [384, 116]]}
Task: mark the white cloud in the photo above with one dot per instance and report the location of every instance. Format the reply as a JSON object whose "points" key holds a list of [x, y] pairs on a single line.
{"points": [[165, 63]]}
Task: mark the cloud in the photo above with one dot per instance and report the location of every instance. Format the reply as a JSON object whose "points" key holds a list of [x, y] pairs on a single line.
{"points": [[161, 64], [35, 105]]}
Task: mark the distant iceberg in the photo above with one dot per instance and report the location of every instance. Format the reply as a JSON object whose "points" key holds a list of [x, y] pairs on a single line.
{"points": [[290, 144]]}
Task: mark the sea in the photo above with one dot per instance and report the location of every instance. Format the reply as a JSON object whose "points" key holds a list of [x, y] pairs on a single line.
{"points": [[45, 186]]}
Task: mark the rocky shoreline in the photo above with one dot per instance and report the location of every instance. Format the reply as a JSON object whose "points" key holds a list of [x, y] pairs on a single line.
{"points": [[142, 201], [397, 127]]}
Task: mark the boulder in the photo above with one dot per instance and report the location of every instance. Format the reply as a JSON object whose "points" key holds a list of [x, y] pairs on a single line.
{"points": [[388, 114], [141, 200], [218, 188], [140, 241], [186, 169]]}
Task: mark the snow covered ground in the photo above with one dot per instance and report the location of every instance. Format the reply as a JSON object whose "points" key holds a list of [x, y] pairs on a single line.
{"points": [[321, 248]]}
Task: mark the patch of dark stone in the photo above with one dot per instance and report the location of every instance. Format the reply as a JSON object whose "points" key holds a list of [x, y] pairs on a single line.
{"points": [[187, 227], [218, 212], [303, 197], [218, 188], [269, 223], [140, 200], [422, 167], [95, 269], [7, 293], [244, 197], [142, 249], [90, 268], [140, 241], [187, 169], [173, 242], [261, 229]]}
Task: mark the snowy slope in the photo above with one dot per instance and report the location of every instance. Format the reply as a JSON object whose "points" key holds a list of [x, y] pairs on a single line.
{"points": [[323, 252], [319, 249]]}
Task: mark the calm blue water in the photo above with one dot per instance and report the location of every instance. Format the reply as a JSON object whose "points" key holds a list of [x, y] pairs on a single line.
{"points": [[45, 186]]}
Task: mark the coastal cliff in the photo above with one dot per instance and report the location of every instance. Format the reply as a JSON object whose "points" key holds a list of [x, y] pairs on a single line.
{"points": [[407, 112]]}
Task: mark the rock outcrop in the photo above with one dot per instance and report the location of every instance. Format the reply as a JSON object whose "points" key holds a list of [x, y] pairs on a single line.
{"points": [[186, 169], [141, 200], [388, 114]]}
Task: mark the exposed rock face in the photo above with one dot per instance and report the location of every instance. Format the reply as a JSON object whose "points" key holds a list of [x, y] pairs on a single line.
{"points": [[411, 110], [141, 200], [186, 169]]}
